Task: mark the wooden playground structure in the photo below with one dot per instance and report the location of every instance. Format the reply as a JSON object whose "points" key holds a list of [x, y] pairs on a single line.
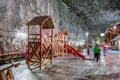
{"points": [[60, 40], [38, 50], [111, 33]]}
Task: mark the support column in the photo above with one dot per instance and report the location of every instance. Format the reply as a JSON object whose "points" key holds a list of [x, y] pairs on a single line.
{"points": [[51, 45], [28, 49], [40, 47]]}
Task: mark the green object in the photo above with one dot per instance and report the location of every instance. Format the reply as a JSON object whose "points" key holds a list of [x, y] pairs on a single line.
{"points": [[97, 49]]}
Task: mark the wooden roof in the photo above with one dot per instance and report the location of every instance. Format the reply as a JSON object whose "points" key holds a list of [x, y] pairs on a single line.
{"points": [[116, 38], [45, 21], [113, 30], [62, 33]]}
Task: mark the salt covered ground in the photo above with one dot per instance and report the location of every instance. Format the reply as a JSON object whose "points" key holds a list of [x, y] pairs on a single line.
{"points": [[73, 68]]}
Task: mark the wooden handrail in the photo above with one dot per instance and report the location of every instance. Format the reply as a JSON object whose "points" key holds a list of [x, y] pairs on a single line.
{"points": [[9, 53], [12, 65]]}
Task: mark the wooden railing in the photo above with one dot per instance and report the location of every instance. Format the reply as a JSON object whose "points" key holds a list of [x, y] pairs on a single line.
{"points": [[10, 57], [6, 72]]}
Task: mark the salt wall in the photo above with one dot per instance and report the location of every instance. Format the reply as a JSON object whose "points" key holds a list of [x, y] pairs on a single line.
{"points": [[14, 14]]}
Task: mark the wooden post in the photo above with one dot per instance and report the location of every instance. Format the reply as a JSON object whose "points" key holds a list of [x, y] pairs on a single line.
{"points": [[57, 45], [28, 49], [65, 43], [9, 75], [40, 47], [62, 44], [51, 45], [3, 75]]}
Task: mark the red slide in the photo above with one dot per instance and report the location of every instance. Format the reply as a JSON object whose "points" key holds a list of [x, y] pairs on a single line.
{"points": [[73, 51]]}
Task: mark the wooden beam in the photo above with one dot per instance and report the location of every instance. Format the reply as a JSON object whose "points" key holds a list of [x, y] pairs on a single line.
{"points": [[12, 65], [40, 47], [33, 34], [51, 45], [45, 20], [27, 61]]}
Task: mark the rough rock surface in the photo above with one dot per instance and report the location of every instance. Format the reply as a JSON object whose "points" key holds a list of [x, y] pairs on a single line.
{"points": [[75, 16], [14, 14], [96, 14]]}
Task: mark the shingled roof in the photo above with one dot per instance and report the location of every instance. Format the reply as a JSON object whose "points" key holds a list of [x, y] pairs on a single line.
{"points": [[45, 21]]}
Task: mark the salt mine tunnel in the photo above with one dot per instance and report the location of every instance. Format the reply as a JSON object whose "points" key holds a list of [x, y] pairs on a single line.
{"points": [[59, 39]]}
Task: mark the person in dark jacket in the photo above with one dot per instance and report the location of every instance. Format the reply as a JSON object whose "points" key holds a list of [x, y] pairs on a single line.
{"points": [[97, 51], [88, 49]]}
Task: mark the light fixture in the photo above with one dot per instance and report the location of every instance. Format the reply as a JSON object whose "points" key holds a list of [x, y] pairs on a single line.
{"points": [[102, 34], [114, 27], [87, 33]]}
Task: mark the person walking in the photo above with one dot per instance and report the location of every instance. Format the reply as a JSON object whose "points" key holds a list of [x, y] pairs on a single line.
{"points": [[88, 49], [105, 48], [97, 51]]}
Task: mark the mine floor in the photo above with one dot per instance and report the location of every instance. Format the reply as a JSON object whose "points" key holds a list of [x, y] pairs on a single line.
{"points": [[73, 68]]}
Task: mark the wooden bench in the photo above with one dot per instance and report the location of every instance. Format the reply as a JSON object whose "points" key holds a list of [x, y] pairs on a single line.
{"points": [[6, 72], [10, 57]]}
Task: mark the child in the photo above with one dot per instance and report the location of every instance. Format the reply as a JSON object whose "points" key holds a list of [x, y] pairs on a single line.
{"points": [[25, 52], [97, 51], [105, 48]]}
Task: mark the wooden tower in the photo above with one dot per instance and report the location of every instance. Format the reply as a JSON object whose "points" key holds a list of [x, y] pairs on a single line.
{"points": [[37, 50], [61, 39]]}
